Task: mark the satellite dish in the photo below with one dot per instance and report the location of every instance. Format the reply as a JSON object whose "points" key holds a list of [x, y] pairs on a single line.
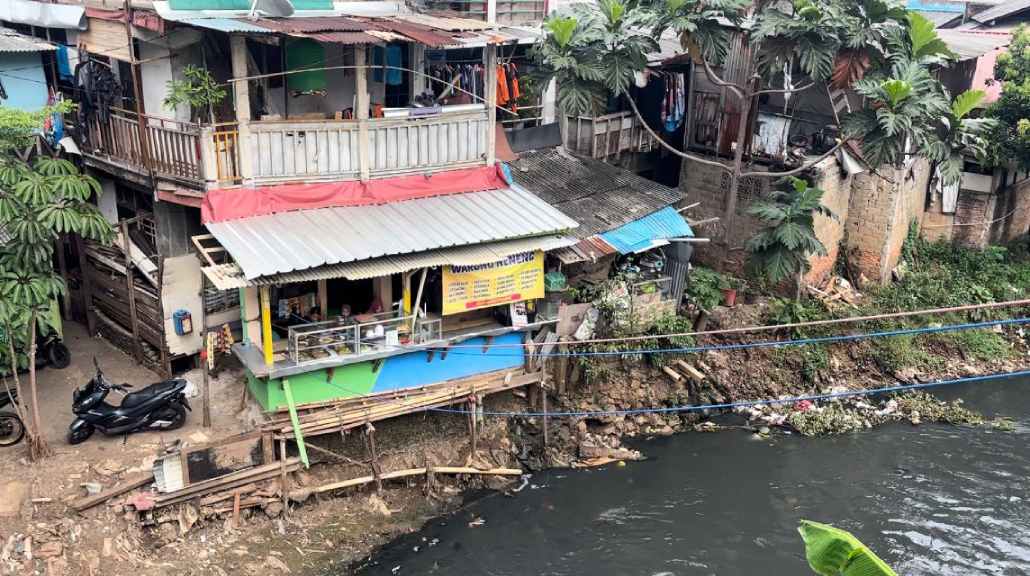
{"points": [[272, 8]]}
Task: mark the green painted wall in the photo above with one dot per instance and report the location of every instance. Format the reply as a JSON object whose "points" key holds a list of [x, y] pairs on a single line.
{"points": [[317, 386]]}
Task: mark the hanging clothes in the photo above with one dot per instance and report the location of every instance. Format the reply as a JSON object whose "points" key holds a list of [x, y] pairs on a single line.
{"points": [[502, 87], [394, 77]]}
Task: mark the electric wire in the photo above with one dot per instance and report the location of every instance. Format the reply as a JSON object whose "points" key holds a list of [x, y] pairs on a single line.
{"points": [[742, 403]]}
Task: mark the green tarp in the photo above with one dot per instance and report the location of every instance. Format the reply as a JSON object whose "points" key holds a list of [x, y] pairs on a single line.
{"points": [[304, 53]]}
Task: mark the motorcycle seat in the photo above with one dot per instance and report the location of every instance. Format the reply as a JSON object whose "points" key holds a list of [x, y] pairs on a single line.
{"points": [[135, 398]]}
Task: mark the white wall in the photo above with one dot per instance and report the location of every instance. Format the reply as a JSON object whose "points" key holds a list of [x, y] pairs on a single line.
{"points": [[107, 203]]}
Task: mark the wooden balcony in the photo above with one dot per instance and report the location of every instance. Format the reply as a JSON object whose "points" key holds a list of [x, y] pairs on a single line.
{"points": [[608, 136], [211, 156], [172, 149]]}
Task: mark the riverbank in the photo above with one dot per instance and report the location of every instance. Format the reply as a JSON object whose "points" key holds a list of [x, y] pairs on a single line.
{"points": [[346, 525]]}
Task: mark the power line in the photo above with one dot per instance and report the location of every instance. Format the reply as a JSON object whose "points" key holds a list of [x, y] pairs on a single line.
{"points": [[765, 343], [770, 327], [744, 403]]}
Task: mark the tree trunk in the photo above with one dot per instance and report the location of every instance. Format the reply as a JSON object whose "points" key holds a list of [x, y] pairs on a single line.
{"points": [[38, 447], [743, 131], [19, 406], [799, 280]]}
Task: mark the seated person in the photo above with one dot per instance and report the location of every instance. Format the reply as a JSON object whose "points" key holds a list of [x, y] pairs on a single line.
{"points": [[314, 314]]}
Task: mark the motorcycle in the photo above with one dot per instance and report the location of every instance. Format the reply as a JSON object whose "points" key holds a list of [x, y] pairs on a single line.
{"points": [[51, 351], [12, 429], [160, 406]]}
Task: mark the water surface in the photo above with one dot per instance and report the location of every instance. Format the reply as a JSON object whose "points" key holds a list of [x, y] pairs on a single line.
{"points": [[931, 500]]}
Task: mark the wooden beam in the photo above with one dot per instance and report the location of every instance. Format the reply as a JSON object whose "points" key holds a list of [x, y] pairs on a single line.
{"points": [[132, 483], [137, 346]]}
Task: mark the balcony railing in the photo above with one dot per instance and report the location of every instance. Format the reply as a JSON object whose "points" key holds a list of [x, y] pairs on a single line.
{"points": [[605, 136], [333, 338], [508, 11], [174, 147], [211, 156], [290, 150]]}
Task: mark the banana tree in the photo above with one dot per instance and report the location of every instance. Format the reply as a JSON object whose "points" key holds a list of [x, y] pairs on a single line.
{"points": [[834, 552]]}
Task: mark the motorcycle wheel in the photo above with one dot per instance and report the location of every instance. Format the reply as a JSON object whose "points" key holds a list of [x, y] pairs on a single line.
{"points": [[59, 355], [176, 414], [80, 435], [12, 430]]}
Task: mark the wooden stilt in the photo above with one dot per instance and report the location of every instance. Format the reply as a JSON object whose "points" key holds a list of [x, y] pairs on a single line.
{"points": [[87, 286], [373, 454], [472, 424], [137, 346], [283, 477]]}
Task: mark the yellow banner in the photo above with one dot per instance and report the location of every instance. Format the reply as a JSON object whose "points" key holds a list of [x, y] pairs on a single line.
{"points": [[518, 277]]}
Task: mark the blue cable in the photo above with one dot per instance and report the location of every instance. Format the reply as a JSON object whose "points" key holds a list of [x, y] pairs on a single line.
{"points": [[745, 403], [761, 344]]}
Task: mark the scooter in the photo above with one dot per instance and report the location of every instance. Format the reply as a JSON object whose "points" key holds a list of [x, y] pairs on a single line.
{"points": [[12, 429], [160, 406]]}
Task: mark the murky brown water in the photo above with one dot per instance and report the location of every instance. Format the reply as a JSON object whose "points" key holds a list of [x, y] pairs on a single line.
{"points": [[931, 500]]}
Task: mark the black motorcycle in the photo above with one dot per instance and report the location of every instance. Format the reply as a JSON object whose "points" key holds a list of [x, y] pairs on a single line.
{"points": [[160, 406], [12, 429]]}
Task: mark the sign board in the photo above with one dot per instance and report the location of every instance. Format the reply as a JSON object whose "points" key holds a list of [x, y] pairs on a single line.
{"points": [[513, 279]]}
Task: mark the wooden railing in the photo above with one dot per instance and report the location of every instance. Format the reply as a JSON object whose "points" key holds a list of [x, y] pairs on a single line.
{"points": [[172, 148], [408, 145], [303, 150], [605, 136], [225, 138], [292, 150]]}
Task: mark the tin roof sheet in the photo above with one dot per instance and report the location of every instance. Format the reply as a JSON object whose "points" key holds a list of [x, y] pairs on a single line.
{"points": [[969, 44], [323, 24], [305, 239], [230, 276], [1002, 10], [11, 41], [599, 196], [347, 37], [647, 232]]}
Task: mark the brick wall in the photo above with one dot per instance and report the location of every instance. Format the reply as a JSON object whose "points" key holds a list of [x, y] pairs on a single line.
{"points": [[880, 213], [873, 215]]}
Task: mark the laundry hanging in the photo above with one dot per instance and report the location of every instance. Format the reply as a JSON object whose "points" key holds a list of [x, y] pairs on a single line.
{"points": [[674, 101]]}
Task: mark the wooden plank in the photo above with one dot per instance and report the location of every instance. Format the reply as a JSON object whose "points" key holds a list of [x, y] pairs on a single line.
{"points": [[129, 280], [128, 485], [690, 370]]}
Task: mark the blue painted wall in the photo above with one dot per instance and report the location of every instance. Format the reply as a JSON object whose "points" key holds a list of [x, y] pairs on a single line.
{"points": [[413, 369], [22, 75]]}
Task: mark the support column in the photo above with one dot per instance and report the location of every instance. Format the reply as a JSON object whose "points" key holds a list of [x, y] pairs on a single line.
{"points": [[241, 93], [382, 288], [266, 326], [250, 315], [419, 82], [361, 111], [490, 57], [323, 297], [491, 11], [298, 434]]}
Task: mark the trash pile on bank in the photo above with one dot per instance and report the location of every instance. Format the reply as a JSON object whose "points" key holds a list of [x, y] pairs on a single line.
{"points": [[852, 413]]}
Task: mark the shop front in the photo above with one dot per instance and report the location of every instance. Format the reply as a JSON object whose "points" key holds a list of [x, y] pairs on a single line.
{"points": [[347, 301]]}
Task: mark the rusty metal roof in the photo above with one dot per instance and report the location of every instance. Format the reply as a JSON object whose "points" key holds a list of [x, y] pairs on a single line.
{"points": [[599, 196], [323, 24], [305, 239]]}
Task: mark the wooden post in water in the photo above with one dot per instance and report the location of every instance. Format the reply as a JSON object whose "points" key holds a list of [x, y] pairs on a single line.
{"points": [[373, 454]]}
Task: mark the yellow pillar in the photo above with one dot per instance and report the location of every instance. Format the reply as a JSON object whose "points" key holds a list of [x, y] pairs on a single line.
{"points": [[266, 325], [406, 287]]}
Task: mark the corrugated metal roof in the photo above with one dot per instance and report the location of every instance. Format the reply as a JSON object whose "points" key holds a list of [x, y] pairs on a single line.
{"points": [[227, 25], [230, 276], [450, 23], [1001, 11], [324, 24], [969, 44], [599, 196], [647, 232], [11, 41], [347, 37], [304, 239]]}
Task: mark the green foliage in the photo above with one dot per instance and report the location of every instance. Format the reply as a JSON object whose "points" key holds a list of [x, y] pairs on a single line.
{"points": [[980, 345], [705, 286], [1010, 136], [197, 88], [789, 311], [780, 250], [895, 353], [910, 112], [37, 204], [941, 275], [18, 128], [834, 552]]}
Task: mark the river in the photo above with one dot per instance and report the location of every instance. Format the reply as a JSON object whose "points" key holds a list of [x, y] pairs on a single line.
{"points": [[931, 500]]}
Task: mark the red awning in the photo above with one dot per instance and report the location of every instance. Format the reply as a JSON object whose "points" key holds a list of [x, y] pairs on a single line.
{"points": [[234, 203]]}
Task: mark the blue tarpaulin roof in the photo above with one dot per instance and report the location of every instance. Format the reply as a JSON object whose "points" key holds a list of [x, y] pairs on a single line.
{"points": [[648, 232]]}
